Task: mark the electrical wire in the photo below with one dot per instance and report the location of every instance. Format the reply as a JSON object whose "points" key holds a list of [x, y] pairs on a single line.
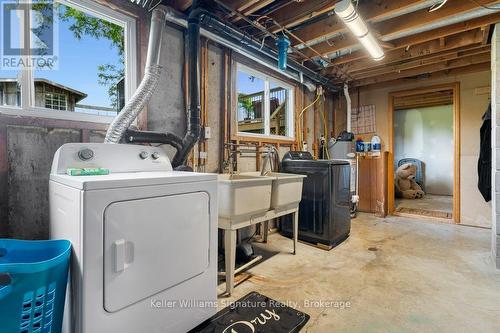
{"points": [[301, 136], [485, 6], [325, 129], [436, 6], [255, 23]]}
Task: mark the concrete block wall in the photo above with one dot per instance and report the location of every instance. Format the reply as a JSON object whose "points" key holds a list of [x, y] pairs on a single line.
{"points": [[27, 147], [495, 137]]}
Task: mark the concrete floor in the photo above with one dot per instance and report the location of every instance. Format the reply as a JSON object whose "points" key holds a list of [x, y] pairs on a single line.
{"points": [[399, 275], [442, 203]]}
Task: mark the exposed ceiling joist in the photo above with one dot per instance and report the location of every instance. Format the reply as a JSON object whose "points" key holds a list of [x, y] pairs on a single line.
{"points": [[445, 65], [436, 75], [249, 10], [401, 24], [424, 37], [240, 5], [298, 12], [369, 10], [452, 42], [409, 22], [425, 61], [458, 37]]}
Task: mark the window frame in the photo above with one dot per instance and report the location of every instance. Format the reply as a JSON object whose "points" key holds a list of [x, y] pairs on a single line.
{"points": [[290, 119], [27, 82], [56, 97]]}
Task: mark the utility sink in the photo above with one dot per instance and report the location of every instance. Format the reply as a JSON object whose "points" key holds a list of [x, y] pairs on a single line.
{"points": [[243, 196], [286, 188]]}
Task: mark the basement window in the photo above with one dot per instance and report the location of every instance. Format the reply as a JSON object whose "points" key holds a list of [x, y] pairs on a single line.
{"points": [[265, 105], [81, 65]]}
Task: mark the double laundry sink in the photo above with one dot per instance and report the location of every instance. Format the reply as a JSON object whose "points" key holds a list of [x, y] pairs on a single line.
{"points": [[249, 194]]}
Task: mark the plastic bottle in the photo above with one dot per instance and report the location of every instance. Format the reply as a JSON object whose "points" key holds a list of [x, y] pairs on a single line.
{"points": [[376, 145], [360, 146]]}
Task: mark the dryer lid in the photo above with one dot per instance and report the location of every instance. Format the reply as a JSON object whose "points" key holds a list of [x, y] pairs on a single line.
{"points": [[131, 179]]}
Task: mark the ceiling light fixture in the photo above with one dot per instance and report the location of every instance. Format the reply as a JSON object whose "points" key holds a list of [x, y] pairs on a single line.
{"points": [[346, 11]]}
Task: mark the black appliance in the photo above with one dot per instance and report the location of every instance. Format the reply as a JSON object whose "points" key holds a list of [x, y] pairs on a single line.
{"points": [[324, 212]]}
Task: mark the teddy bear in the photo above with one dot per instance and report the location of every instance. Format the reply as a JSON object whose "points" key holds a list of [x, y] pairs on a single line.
{"points": [[406, 186]]}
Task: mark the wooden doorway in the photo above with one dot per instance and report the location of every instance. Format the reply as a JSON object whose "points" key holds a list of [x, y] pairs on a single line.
{"points": [[433, 93]]}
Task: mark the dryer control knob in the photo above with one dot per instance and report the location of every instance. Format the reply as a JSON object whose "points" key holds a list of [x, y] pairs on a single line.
{"points": [[143, 155], [155, 155], [85, 154]]}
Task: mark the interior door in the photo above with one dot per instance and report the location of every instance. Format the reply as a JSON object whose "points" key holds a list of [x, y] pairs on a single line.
{"points": [[153, 244]]}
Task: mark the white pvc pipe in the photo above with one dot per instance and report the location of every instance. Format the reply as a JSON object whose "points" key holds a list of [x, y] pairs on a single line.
{"points": [[349, 110]]}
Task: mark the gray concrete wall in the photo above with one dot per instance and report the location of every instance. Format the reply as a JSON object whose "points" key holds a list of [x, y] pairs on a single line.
{"points": [[495, 137], [27, 150], [215, 106], [30, 158], [166, 110], [28, 146]]}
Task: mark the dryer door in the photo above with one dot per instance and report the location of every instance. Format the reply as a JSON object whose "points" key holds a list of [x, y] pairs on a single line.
{"points": [[153, 244]]}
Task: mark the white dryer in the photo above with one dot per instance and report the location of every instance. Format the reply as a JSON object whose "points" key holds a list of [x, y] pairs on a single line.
{"points": [[144, 240]]}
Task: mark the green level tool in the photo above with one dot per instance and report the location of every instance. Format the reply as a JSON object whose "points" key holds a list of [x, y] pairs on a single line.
{"points": [[87, 171]]}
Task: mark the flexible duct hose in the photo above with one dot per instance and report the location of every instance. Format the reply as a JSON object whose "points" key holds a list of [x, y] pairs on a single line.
{"points": [[132, 109], [148, 84]]}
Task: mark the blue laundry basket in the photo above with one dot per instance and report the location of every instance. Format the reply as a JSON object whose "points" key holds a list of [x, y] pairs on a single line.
{"points": [[33, 278]]}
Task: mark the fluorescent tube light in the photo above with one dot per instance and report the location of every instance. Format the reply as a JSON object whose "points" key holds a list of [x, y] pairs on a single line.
{"points": [[346, 11]]}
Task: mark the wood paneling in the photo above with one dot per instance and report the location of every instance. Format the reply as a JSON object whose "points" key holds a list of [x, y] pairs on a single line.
{"points": [[373, 185]]}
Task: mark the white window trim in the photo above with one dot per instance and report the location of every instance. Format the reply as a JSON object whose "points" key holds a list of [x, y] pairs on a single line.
{"points": [[129, 24], [55, 96], [291, 114]]}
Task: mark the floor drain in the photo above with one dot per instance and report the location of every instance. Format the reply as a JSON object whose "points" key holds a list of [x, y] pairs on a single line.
{"points": [[372, 249]]}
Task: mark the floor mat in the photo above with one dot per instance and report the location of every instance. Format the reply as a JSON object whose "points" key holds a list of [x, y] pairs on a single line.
{"points": [[255, 313], [424, 212]]}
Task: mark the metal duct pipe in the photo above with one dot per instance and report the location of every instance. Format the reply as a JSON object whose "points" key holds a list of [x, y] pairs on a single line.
{"points": [[349, 110], [148, 84], [220, 32]]}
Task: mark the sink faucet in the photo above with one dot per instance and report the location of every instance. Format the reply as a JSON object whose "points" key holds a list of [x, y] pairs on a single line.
{"points": [[271, 151]]}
